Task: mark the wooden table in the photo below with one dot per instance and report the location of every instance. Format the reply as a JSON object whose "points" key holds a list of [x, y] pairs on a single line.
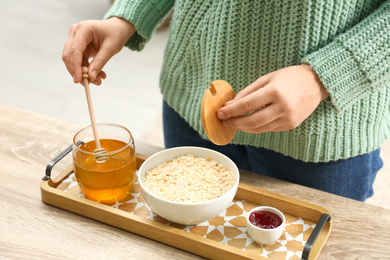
{"points": [[31, 229]]}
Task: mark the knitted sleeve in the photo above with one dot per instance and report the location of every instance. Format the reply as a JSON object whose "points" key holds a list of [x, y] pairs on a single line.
{"points": [[145, 15], [357, 63]]}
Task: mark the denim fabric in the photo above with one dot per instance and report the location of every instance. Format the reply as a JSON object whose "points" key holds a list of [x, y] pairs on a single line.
{"points": [[352, 178]]}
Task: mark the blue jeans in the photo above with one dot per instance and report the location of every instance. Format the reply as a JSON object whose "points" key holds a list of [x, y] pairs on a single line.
{"points": [[352, 178]]}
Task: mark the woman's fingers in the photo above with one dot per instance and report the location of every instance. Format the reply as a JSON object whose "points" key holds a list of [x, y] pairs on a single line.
{"points": [[98, 80], [100, 60], [268, 119], [247, 100], [77, 49], [67, 48], [259, 83], [254, 122]]}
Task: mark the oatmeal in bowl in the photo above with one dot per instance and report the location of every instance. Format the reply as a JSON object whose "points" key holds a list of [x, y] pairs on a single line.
{"points": [[188, 185]]}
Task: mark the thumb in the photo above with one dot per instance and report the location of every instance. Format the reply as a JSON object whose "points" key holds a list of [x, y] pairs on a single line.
{"points": [[98, 62]]}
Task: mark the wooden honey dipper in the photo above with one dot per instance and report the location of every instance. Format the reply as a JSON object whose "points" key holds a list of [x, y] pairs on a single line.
{"points": [[99, 153]]}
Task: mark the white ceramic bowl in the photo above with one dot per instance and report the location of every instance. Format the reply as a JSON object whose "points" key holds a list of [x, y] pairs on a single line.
{"points": [[188, 213], [264, 236]]}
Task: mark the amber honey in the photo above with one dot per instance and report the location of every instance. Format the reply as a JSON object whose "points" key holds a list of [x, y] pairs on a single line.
{"points": [[105, 181]]}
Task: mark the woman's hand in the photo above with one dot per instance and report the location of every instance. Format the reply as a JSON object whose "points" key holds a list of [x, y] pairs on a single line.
{"points": [[99, 40], [278, 101]]}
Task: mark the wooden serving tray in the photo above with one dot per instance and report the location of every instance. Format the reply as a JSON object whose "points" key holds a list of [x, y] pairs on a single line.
{"points": [[223, 237]]}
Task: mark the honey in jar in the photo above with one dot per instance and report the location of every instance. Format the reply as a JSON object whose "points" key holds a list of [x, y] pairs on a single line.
{"points": [[105, 181]]}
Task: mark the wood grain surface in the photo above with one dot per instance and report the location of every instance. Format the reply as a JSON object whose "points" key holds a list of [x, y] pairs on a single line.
{"points": [[30, 229]]}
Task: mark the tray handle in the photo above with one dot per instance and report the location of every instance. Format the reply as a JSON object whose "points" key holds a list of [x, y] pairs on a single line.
{"points": [[54, 161], [309, 243]]}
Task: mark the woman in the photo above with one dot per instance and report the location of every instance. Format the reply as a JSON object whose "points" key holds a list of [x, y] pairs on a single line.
{"points": [[312, 80]]}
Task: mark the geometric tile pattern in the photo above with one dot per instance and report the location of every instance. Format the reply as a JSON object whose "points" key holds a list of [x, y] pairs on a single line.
{"points": [[228, 228]]}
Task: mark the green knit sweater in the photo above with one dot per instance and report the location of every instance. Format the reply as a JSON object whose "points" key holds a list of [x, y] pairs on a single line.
{"points": [[346, 42]]}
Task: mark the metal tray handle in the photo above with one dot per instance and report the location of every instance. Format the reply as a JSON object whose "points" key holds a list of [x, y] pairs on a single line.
{"points": [[313, 236], [56, 160]]}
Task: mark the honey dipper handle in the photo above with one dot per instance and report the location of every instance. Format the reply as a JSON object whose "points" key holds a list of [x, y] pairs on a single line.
{"points": [[90, 107]]}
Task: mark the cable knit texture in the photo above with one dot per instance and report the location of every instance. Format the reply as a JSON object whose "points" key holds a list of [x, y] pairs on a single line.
{"points": [[346, 42]]}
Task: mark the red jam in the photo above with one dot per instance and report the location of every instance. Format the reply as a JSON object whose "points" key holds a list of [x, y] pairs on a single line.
{"points": [[265, 219]]}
